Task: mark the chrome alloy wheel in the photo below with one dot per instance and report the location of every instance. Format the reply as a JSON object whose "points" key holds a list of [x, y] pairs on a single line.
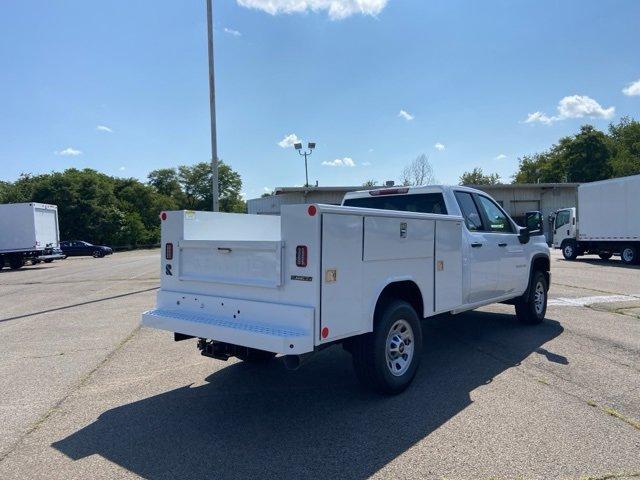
{"points": [[539, 297], [399, 347], [568, 251], [627, 255]]}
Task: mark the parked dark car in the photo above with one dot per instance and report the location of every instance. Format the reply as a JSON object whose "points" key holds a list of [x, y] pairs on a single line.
{"points": [[79, 248]]}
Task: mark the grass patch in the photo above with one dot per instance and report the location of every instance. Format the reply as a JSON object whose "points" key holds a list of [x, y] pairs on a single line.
{"points": [[620, 416]]}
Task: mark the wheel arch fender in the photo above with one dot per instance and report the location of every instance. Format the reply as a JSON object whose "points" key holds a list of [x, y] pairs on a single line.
{"points": [[541, 262], [401, 288]]}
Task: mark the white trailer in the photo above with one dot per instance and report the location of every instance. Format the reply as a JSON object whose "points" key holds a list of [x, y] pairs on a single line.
{"points": [[255, 286], [28, 231], [606, 221]]}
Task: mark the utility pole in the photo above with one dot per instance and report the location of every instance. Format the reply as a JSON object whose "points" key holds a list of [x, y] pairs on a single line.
{"points": [[212, 106]]}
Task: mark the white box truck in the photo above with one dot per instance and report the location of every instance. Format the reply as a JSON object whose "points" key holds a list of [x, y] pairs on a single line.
{"points": [[28, 232], [606, 221], [362, 275]]}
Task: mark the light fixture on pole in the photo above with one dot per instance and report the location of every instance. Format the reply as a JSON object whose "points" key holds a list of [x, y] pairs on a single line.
{"points": [[311, 146]]}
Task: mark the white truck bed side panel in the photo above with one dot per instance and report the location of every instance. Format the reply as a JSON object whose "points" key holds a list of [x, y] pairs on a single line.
{"points": [[341, 304], [397, 238], [608, 210], [448, 277]]}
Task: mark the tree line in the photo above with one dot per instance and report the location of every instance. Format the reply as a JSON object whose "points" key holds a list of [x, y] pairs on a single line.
{"points": [[587, 156], [102, 209]]}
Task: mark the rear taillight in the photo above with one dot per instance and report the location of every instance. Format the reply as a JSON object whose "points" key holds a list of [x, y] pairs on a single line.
{"points": [[168, 251], [301, 256]]}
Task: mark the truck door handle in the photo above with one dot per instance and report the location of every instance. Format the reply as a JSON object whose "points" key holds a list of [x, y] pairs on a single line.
{"points": [[476, 245], [502, 244]]}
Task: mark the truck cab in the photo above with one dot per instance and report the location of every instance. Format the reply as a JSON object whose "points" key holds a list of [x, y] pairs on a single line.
{"points": [[564, 226], [362, 275]]}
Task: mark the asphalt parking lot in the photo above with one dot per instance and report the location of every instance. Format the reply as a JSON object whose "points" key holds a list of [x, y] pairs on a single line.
{"points": [[86, 393]]}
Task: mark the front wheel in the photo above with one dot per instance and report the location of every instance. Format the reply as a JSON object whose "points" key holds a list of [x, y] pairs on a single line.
{"points": [[532, 308], [629, 255], [569, 251], [16, 263], [387, 359], [98, 254]]}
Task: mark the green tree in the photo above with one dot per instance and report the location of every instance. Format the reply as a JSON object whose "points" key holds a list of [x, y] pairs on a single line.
{"points": [[370, 183], [196, 181], [166, 182], [477, 177], [625, 147]]}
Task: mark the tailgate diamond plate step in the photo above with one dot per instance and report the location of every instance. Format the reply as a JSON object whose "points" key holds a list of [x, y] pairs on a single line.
{"points": [[255, 327]]}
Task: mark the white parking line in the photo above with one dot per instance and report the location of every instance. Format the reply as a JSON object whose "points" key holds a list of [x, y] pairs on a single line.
{"points": [[583, 301]]}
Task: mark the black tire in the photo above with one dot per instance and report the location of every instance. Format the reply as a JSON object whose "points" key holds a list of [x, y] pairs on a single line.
{"points": [[1, 263], [570, 250], [605, 256], [48, 260], [529, 310], [253, 355], [629, 255], [98, 254], [371, 352], [16, 263]]}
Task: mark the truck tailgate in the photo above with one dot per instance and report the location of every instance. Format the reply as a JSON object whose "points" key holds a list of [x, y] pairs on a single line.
{"points": [[240, 262]]}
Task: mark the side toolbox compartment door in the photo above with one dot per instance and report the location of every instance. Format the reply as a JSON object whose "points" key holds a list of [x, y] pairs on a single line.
{"points": [[341, 291], [448, 269]]}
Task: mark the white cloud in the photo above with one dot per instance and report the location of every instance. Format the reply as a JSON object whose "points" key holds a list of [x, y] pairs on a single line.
{"points": [[104, 128], [336, 9], [69, 152], [232, 32], [573, 106], [633, 89], [538, 117], [340, 162], [289, 140], [502, 156], [366, 164], [439, 146], [122, 169], [406, 115]]}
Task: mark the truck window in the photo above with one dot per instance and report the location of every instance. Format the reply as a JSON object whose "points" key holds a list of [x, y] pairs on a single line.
{"points": [[498, 221], [418, 202], [469, 211], [562, 218]]}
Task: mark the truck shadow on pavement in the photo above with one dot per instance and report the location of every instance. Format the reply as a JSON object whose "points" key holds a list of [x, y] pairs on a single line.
{"points": [[252, 422]]}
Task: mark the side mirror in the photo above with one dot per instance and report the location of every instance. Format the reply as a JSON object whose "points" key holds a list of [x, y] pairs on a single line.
{"points": [[523, 235], [534, 223]]}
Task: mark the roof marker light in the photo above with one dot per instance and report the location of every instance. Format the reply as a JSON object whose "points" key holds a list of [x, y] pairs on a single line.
{"points": [[388, 191], [312, 210]]}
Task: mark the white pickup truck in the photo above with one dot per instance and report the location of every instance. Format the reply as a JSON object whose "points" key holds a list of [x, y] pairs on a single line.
{"points": [[362, 274]]}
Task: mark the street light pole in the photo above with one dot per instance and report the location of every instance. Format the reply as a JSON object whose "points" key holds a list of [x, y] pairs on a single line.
{"points": [[298, 147], [212, 107]]}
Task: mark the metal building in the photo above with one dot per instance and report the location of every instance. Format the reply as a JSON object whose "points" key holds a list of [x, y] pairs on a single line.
{"points": [[516, 199]]}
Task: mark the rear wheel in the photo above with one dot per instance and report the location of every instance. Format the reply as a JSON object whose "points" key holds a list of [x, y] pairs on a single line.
{"points": [[605, 256], [570, 250], [532, 308], [629, 255], [253, 355], [387, 359], [16, 263]]}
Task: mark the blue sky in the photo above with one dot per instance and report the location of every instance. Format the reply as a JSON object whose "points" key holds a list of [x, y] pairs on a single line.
{"points": [[467, 75]]}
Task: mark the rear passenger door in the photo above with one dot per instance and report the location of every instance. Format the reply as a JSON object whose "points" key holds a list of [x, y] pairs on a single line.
{"points": [[481, 258]]}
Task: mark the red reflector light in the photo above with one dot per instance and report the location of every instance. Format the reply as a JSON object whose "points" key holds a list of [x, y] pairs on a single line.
{"points": [[388, 191], [163, 216], [301, 256], [168, 251], [312, 210], [325, 332]]}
